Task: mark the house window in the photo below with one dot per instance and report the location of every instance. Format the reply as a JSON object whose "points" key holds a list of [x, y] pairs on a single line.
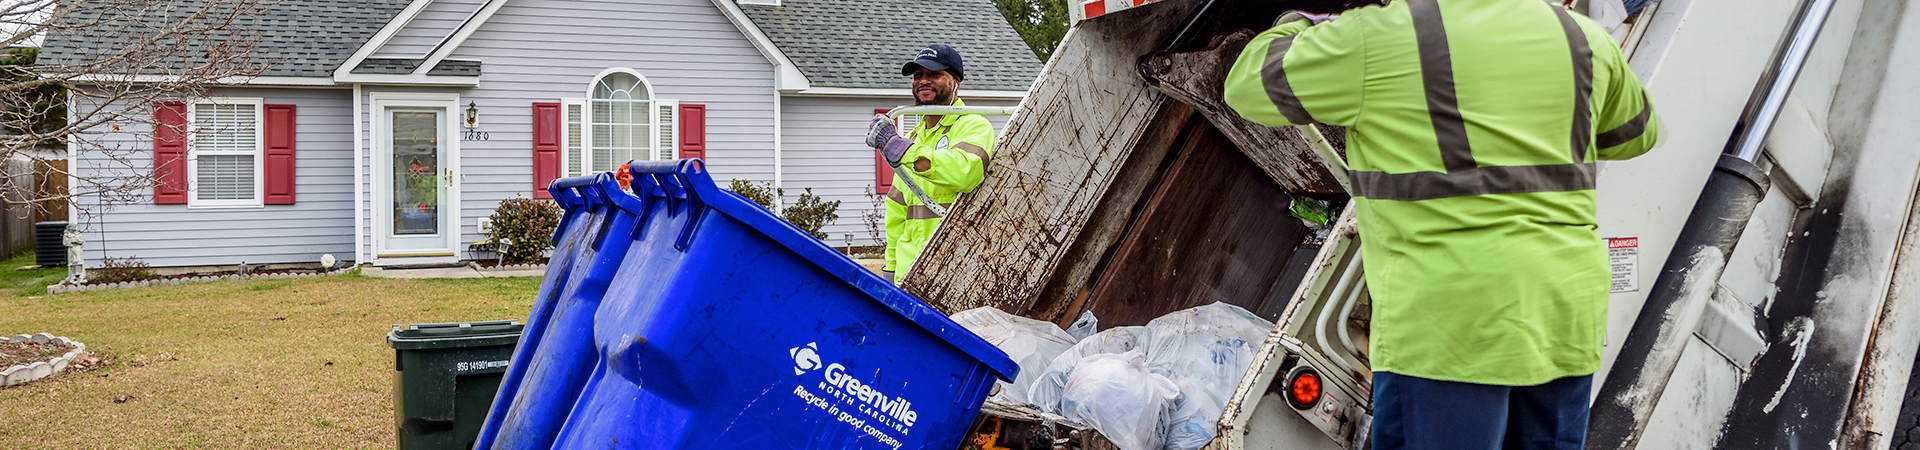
{"points": [[224, 153], [620, 120]]}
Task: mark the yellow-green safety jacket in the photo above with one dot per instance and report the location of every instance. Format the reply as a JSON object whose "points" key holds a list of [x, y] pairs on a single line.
{"points": [[959, 147], [1473, 127]]}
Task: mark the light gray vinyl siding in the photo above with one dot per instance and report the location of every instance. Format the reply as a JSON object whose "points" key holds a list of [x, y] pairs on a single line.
{"points": [[432, 25], [826, 150], [320, 222], [546, 50]]}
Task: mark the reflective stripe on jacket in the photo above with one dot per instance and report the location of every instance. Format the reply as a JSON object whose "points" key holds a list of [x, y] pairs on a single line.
{"points": [[1473, 127], [958, 149]]}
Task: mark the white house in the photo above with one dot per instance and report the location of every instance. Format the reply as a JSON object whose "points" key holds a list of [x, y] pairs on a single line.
{"points": [[385, 130]]}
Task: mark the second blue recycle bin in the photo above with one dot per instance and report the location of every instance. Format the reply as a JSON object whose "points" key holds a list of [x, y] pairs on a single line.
{"points": [[682, 316]]}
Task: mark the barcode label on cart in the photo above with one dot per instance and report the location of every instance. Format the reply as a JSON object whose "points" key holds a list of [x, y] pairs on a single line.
{"points": [[464, 366]]}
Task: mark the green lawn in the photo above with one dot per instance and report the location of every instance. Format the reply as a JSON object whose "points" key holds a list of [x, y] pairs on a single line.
{"points": [[296, 363], [25, 283]]}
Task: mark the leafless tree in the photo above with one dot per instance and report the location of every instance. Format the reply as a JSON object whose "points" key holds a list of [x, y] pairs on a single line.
{"points": [[93, 89]]}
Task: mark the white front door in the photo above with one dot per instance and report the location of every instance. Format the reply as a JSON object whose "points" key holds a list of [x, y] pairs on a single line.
{"points": [[414, 180]]}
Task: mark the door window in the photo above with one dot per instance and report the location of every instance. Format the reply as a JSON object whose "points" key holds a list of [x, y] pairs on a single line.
{"points": [[417, 177]]}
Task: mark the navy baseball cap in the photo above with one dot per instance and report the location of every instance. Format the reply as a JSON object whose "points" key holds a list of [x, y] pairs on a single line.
{"points": [[936, 57]]}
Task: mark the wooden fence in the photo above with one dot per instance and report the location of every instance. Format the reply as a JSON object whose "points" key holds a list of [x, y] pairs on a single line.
{"points": [[17, 189]]}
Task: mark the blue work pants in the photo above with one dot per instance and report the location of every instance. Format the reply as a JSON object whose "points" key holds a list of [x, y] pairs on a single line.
{"points": [[1413, 413]]}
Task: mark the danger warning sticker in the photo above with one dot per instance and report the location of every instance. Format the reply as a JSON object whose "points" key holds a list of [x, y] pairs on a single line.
{"points": [[1623, 254]]}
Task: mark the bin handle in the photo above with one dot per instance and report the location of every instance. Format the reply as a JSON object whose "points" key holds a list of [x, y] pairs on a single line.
{"points": [[676, 181], [568, 191], [423, 326], [692, 172], [608, 189], [574, 182], [563, 190], [654, 167]]}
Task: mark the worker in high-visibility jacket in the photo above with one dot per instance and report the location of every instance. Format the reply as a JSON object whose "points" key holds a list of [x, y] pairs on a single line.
{"points": [[1473, 127], [947, 156]]}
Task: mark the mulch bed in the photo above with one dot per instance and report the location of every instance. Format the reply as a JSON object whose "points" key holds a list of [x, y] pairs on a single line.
{"points": [[491, 263], [93, 273], [24, 353]]}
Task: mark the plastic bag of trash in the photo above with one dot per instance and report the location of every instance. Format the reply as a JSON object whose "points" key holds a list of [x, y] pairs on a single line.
{"points": [[1051, 384], [1205, 351], [1031, 343], [1083, 326], [1121, 398], [1194, 417]]}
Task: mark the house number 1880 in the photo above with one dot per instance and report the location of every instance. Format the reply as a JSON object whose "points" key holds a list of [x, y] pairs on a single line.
{"points": [[471, 135]]}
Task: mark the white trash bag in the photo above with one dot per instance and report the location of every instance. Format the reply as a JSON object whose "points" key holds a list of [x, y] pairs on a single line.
{"points": [[1051, 384], [1205, 351], [1031, 343], [1120, 397], [1085, 326]]}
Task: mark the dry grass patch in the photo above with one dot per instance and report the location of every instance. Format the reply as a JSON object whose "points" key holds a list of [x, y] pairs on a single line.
{"points": [[240, 364]]}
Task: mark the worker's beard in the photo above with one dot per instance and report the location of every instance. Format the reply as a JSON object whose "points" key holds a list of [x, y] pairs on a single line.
{"points": [[941, 96]]}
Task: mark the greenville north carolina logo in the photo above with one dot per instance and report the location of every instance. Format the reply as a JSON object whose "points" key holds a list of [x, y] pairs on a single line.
{"points": [[805, 358]]}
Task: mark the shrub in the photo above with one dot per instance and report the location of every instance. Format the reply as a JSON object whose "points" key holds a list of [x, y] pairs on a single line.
{"points": [[116, 270], [760, 194], [523, 228], [876, 216], [810, 213]]}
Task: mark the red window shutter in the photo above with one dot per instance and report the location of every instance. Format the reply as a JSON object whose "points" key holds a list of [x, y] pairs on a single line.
{"points": [[169, 153], [882, 173], [693, 131], [546, 147], [279, 179]]}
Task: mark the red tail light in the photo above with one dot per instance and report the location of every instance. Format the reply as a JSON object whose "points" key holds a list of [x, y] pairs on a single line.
{"points": [[1303, 388]]}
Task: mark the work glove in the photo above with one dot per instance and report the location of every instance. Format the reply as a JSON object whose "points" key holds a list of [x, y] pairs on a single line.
{"points": [[883, 137], [1297, 15]]}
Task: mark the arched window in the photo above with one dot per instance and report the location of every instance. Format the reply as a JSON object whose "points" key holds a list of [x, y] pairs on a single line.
{"points": [[620, 120], [622, 123]]}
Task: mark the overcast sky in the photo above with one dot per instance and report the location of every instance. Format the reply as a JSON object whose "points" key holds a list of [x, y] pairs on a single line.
{"points": [[19, 23]]}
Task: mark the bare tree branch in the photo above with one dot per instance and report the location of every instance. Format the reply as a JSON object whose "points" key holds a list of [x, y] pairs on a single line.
{"points": [[95, 100]]}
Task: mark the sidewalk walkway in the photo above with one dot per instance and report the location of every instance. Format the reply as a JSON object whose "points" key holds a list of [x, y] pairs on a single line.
{"points": [[464, 271]]}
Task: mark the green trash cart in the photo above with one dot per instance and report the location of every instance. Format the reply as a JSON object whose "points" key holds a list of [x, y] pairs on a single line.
{"points": [[445, 376]]}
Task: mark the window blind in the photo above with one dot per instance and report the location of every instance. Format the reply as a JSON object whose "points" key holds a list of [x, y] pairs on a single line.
{"points": [[225, 140]]}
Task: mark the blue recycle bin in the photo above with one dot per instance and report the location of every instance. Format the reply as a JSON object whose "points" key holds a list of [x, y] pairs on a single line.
{"points": [[682, 316]]}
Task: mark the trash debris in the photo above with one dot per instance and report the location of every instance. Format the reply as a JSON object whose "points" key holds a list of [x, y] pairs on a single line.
{"points": [[1031, 343], [1317, 215], [1205, 351], [1048, 389], [1194, 418], [1085, 326], [1119, 396]]}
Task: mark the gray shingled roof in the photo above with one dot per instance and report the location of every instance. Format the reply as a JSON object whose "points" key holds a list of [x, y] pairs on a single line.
{"points": [[299, 38], [402, 66], [863, 43]]}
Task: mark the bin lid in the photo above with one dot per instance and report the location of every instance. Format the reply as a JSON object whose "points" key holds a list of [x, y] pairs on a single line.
{"points": [[840, 266], [454, 335]]}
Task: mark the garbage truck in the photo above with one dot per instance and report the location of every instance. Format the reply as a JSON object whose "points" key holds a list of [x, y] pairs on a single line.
{"points": [[1762, 272], [1762, 268]]}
